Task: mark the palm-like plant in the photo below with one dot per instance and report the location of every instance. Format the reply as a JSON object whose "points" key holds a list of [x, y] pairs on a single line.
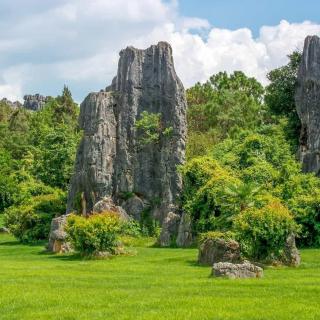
{"points": [[241, 196]]}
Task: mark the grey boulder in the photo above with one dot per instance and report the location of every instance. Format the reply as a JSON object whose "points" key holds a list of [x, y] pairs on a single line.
{"points": [[291, 256], [219, 250], [57, 237], [134, 206], [234, 271]]}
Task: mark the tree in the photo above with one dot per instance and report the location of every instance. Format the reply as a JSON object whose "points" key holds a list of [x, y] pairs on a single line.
{"points": [[55, 156], [280, 93], [221, 107], [54, 136]]}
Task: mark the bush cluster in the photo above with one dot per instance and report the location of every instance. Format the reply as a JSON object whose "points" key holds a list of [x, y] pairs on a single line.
{"points": [[94, 234], [263, 232], [31, 220]]}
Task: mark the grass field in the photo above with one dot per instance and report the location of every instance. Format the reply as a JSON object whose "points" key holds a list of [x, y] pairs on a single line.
{"points": [[155, 284]]}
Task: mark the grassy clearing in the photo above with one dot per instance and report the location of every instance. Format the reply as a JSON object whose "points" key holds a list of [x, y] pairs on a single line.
{"points": [[155, 284]]}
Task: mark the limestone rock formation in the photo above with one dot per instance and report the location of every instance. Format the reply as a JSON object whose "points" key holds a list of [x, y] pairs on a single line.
{"points": [[34, 102], [233, 271], [308, 105], [219, 250], [110, 160]]}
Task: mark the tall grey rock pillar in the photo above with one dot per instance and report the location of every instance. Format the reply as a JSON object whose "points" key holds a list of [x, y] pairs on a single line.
{"points": [[308, 105], [111, 160]]}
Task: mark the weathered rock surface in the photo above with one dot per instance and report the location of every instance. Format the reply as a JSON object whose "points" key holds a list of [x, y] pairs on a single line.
{"points": [[308, 105], [184, 238], [169, 229], [110, 160], [291, 256], [107, 204], [34, 102], [57, 238], [134, 206], [233, 271], [219, 250]]}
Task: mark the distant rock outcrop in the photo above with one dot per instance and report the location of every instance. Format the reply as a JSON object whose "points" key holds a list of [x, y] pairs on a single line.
{"points": [[111, 161], [34, 102], [308, 105], [12, 104]]}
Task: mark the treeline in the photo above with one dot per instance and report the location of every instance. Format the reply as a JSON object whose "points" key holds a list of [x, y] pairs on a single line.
{"points": [[241, 152]]}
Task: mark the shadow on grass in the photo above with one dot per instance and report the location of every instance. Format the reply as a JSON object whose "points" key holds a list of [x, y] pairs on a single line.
{"points": [[174, 246], [17, 243], [195, 263], [60, 256], [9, 243], [66, 257]]}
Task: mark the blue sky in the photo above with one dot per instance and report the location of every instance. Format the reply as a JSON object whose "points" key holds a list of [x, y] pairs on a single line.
{"points": [[46, 44], [234, 14]]}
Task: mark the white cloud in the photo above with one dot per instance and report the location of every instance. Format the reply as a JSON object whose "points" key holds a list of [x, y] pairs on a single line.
{"points": [[11, 92], [77, 42], [197, 59]]}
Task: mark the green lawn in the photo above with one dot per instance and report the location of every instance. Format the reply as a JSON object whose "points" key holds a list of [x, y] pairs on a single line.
{"points": [[155, 284]]}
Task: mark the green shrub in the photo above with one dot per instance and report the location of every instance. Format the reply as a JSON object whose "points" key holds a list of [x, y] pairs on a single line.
{"points": [[151, 128], [97, 233], [301, 193], [204, 194], [213, 235], [149, 227], [306, 210], [263, 232], [131, 228], [31, 220]]}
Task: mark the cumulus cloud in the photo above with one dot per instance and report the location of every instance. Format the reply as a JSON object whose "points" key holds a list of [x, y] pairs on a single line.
{"points": [[228, 50], [77, 42]]}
